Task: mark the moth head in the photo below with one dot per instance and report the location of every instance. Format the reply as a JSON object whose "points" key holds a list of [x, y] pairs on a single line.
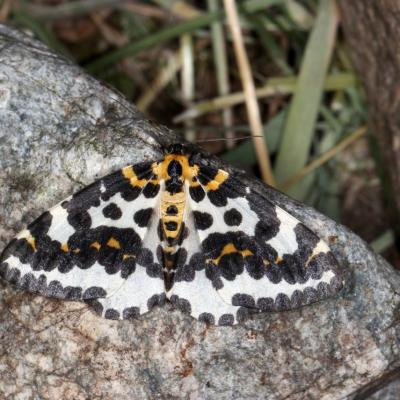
{"points": [[193, 154], [176, 148]]}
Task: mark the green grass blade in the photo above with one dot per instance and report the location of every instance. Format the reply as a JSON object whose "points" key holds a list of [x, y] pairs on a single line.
{"points": [[169, 33], [298, 132], [152, 40], [383, 242]]}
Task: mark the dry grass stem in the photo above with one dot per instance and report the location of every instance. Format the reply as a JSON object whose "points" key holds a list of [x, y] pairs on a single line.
{"points": [[357, 134], [253, 111]]}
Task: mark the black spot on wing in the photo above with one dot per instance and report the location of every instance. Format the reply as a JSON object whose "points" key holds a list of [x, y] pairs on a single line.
{"points": [[214, 275], [273, 273], [94, 292], [96, 305], [79, 219], [11, 275], [265, 230], [142, 217], [269, 223], [28, 282], [128, 266], [231, 265], [112, 211], [296, 299], [233, 217], [243, 313], [154, 270], [129, 192], [144, 170], [226, 319], [244, 300], [310, 295], [55, 289], [72, 293], [282, 302], [197, 193], [156, 300], [181, 303], [151, 190], [266, 304], [131, 313], [218, 197], [206, 174], [186, 271], [202, 220], [145, 257], [207, 318], [112, 314]]}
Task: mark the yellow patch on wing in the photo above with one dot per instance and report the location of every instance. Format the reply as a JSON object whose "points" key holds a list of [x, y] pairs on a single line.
{"points": [[32, 241], [65, 248], [95, 245], [130, 174], [321, 247], [229, 249], [268, 263], [113, 243], [218, 180], [127, 256]]}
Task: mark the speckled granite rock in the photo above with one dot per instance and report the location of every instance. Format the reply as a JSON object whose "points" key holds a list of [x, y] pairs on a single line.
{"points": [[59, 130]]}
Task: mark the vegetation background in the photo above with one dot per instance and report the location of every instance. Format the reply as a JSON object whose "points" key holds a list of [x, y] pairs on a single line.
{"points": [[175, 61]]}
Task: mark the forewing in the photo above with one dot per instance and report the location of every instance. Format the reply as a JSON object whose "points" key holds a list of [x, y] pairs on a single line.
{"points": [[92, 244], [256, 255]]}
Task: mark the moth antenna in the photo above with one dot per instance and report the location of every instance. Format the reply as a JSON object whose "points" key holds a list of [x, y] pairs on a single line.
{"points": [[234, 138]]}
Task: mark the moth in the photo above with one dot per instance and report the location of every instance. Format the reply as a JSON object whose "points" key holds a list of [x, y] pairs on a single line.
{"points": [[176, 229]]}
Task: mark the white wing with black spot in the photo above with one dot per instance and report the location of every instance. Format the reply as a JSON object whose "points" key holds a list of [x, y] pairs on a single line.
{"points": [[252, 254], [96, 246]]}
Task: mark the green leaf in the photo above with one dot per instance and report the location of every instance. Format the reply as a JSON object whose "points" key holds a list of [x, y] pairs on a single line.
{"points": [[299, 129]]}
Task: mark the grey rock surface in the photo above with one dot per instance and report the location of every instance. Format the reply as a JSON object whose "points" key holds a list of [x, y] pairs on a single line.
{"points": [[61, 129]]}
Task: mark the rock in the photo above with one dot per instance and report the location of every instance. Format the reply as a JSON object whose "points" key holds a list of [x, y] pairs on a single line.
{"points": [[59, 130]]}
